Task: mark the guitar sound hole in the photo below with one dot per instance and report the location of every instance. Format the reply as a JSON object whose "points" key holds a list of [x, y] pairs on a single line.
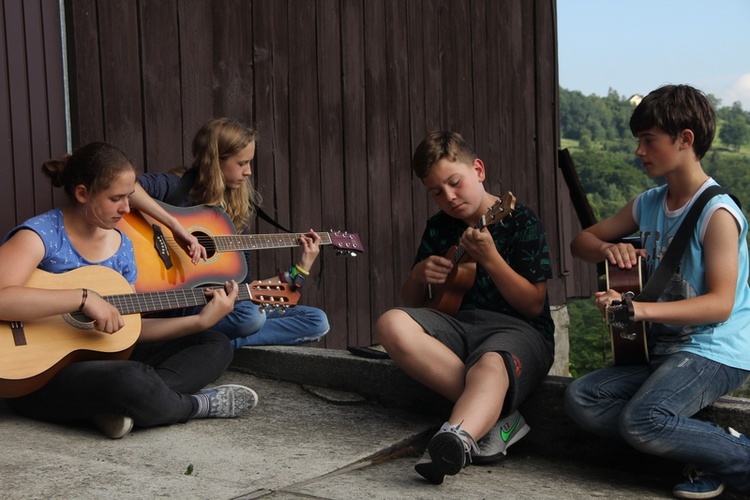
{"points": [[207, 241]]}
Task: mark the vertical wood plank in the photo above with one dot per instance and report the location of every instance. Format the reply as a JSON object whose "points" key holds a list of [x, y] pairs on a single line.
{"points": [[270, 116], [53, 74], [359, 285], [84, 72], [7, 170], [122, 98], [332, 170], [20, 110], [196, 42], [160, 53]]}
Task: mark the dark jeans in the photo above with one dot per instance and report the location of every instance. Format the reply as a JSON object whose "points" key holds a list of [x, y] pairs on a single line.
{"points": [[153, 386]]}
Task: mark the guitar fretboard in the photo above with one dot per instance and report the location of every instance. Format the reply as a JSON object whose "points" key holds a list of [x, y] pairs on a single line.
{"points": [[241, 242], [147, 302]]}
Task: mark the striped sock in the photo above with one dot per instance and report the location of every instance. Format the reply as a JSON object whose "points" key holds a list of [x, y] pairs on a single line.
{"points": [[203, 405]]}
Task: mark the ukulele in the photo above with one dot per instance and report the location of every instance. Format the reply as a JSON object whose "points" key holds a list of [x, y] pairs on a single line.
{"points": [[163, 264], [447, 296], [32, 352], [628, 338]]}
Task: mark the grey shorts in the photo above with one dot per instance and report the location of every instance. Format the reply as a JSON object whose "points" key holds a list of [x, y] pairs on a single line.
{"points": [[528, 355]]}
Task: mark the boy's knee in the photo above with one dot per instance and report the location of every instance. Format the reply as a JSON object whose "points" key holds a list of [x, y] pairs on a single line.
{"points": [[386, 326]]}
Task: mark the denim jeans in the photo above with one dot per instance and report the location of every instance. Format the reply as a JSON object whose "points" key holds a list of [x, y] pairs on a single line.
{"points": [[153, 387], [298, 325], [650, 407], [248, 325]]}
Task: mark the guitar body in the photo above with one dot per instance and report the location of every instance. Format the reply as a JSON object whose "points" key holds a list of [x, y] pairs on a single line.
{"points": [[162, 264], [448, 296], [32, 352], [52, 343], [201, 221], [629, 341]]}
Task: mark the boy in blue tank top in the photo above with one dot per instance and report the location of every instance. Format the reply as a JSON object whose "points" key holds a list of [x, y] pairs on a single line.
{"points": [[699, 328]]}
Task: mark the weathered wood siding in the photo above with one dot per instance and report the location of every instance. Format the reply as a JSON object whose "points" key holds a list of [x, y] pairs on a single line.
{"points": [[32, 106], [341, 91]]}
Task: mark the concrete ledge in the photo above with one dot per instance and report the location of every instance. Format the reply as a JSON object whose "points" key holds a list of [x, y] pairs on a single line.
{"points": [[553, 433]]}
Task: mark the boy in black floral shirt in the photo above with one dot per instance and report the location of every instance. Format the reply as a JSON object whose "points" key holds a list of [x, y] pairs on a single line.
{"points": [[491, 351]]}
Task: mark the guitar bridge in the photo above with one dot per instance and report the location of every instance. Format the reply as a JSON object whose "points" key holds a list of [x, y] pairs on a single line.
{"points": [[19, 336], [160, 244]]}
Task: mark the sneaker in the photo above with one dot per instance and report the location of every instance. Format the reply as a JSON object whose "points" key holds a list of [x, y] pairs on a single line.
{"points": [[227, 401], [493, 446], [113, 426], [698, 485], [446, 454]]}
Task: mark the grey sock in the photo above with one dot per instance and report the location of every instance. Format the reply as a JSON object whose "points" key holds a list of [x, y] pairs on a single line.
{"points": [[203, 405]]}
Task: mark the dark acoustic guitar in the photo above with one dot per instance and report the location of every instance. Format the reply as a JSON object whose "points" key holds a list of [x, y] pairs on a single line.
{"points": [[447, 296], [629, 341]]}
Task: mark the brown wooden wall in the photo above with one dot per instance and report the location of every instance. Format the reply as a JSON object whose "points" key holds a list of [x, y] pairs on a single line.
{"points": [[341, 92], [32, 106]]}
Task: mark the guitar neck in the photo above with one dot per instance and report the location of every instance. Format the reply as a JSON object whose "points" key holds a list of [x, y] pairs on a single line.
{"points": [[149, 302], [481, 223], [241, 242]]}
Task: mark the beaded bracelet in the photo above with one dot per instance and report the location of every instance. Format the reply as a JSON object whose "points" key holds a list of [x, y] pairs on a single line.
{"points": [[295, 276]]}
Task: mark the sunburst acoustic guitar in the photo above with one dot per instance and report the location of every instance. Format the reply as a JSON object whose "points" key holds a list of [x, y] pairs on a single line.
{"points": [[447, 296], [163, 264], [32, 352]]}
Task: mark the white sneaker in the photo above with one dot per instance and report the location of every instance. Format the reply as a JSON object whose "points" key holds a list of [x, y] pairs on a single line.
{"points": [[113, 426]]}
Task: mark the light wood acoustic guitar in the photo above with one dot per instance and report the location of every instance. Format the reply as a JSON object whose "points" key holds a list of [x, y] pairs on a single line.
{"points": [[162, 264], [447, 296], [628, 338], [32, 352]]}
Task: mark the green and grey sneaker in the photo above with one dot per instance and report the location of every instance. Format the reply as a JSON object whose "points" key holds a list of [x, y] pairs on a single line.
{"points": [[447, 453], [507, 431]]}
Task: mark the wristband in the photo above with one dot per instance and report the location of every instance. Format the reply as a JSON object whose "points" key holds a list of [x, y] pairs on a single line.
{"points": [[301, 271], [627, 299], [294, 277], [84, 296]]}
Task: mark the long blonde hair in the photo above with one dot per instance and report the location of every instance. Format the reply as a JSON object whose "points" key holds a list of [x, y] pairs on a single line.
{"points": [[216, 141]]}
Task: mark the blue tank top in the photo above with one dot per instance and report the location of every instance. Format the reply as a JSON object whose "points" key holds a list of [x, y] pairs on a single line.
{"points": [[727, 342], [60, 255]]}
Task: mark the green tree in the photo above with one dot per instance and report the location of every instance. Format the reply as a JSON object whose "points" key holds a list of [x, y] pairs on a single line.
{"points": [[735, 131]]}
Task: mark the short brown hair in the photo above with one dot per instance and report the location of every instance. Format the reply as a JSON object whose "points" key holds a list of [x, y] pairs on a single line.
{"points": [[674, 108], [438, 145]]}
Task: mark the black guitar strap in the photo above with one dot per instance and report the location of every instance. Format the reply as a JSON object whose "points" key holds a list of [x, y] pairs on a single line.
{"points": [[186, 184], [179, 195], [668, 265]]}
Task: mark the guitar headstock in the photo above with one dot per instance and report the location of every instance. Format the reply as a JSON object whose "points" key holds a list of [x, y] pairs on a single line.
{"points": [[500, 209], [273, 295], [346, 243]]}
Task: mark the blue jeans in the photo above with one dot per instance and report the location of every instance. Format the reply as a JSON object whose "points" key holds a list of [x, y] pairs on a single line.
{"points": [[248, 325], [650, 407]]}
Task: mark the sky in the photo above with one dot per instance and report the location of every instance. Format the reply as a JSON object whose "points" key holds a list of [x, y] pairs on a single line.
{"points": [[635, 46]]}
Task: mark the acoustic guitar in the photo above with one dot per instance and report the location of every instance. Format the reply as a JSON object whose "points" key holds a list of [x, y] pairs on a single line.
{"points": [[32, 352], [447, 296], [628, 338], [163, 264]]}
